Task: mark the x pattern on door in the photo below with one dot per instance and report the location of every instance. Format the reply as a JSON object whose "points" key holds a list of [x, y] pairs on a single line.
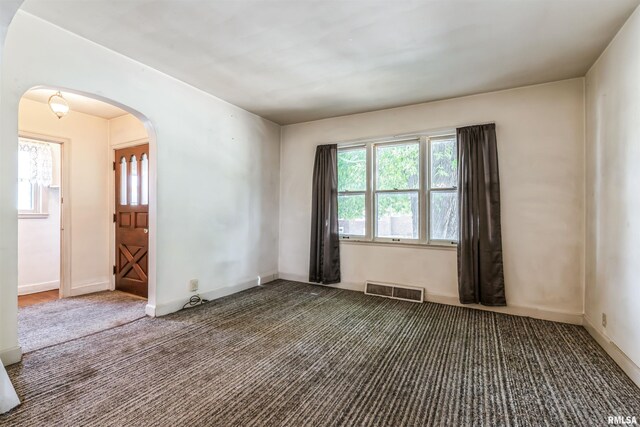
{"points": [[130, 258]]}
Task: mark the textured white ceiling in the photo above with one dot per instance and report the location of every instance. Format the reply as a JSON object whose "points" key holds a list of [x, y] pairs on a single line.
{"points": [[293, 61]]}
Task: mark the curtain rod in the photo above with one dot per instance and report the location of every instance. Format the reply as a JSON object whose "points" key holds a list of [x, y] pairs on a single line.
{"points": [[406, 136], [476, 124]]}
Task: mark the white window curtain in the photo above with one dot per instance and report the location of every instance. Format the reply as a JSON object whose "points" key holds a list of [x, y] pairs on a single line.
{"points": [[35, 162]]}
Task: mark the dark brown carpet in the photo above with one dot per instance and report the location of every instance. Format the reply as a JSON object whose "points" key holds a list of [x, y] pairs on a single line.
{"points": [[294, 354]]}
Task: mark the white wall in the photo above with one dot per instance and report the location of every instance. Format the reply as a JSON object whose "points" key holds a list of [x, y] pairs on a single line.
{"points": [[126, 129], [613, 195], [89, 169], [215, 197], [541, 154], [9, 349], [39, 240]]}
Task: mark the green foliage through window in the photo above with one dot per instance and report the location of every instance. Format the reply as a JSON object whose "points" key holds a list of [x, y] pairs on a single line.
{"points": [[397, 189], [352, 169]]}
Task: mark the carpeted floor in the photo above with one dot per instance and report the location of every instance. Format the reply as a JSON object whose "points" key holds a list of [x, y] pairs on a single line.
{"points": [[294, 354], [55, 322]]}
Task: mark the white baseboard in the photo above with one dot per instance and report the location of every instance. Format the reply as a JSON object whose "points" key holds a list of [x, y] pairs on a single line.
{"points": [[350, 286], [38, 287], [12, 355], [176, 305], [89, 288], [625, 363], [515, 310]]}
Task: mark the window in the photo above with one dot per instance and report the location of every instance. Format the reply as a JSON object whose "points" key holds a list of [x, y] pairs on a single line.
{"points": [[402, 190], [144, 179], [123, 181], [352, 186], [443, 193], [134, 180], [34, 177], [397, 190]]}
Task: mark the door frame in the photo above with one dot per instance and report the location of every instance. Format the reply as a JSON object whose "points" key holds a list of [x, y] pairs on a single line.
{"points": [[64, 290], [112, 203]]}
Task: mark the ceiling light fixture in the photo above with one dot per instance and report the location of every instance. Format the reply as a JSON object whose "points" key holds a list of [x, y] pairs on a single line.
{"points": [[58, 105]]}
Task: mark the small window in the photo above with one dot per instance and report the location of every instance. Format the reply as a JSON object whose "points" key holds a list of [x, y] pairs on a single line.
{"points": [[144, 179], [34, 177], [352, 185], [27, 197], [134, 181], [123, 181]]}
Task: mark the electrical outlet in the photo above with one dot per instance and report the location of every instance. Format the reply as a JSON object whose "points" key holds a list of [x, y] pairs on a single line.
{"points": [[193, 285], [604, 320]]}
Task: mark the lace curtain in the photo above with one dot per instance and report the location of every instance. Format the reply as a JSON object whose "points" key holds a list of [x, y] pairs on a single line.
{"points": [[35, 162]]}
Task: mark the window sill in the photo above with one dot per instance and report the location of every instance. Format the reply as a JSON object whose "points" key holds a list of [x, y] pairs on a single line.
{"points": [[33, 215], [441, 246]]}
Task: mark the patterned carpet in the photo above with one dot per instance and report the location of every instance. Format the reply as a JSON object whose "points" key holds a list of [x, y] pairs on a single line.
{"points": [[294, 354], [55, 322]]}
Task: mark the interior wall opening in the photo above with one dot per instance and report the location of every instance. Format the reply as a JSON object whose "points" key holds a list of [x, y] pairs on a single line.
{"points": [[83, 260]]}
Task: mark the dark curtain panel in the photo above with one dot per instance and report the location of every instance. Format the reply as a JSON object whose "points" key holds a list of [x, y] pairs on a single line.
{"points": [[324, 265], [480, 274]]}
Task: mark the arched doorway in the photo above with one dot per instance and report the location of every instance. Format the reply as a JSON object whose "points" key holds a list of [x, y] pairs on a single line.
{"points": [[95, 216]]}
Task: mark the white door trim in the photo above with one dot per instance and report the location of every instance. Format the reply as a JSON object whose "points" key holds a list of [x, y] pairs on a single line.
{"points": [[65, 205]]}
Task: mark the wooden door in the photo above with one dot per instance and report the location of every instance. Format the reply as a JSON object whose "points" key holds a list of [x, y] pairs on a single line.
{"points": [[132, 219]]}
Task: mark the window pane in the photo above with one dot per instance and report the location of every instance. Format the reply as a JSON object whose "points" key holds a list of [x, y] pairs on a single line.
{"points": [[397, 167], [351, 217], [134, 180], [397, 215], [123, 181], [352, 169], [444, 163], [25, 196], [444, 215], [144, 178], [24, 166]]}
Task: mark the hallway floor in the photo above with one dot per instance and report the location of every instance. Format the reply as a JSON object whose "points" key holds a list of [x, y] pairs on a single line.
{"points": [[60, 320], [38, 298]]}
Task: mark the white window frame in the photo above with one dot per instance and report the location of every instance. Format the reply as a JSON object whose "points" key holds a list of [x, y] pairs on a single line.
{"points": [[38, 201], [366, 193], [429, 190], [424, 189], [39, 195], [375, 191]]}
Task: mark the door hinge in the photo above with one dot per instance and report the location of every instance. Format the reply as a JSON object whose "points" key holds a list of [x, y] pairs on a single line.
{"points": [[114, 165], [114, 217], [114, 269]]}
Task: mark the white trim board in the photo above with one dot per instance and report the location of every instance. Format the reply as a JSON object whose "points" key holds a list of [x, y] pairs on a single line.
{"points": [[38, 287], [176, 305], [12, 355], [618, 356], [515, 310], [89, 288]]}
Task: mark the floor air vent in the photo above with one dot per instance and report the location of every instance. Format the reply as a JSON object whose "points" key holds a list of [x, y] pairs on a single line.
{"points": [[388, 290]]}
